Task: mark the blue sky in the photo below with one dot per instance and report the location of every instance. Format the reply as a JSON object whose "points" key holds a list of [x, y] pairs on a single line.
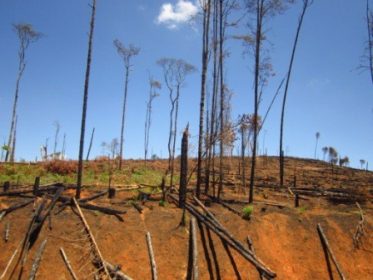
{"points": [[327, 93]]}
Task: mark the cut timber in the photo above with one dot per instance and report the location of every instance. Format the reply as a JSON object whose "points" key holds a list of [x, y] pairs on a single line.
{"points": [[151, 256], [68, 265], [326, 243], [36, 264], [92, 239], [2, 214], [235, 244]]}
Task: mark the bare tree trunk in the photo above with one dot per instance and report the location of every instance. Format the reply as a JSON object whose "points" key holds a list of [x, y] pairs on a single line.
{"points": [[85, 101], [13, 150], [221, 78], [258, 42], [243, 164], [21, 68], [175, 132], [90, 144], [171, 132], [123, 118], [56, 139], [205, 46], [282, 165], [211, 152], [370, 39]]}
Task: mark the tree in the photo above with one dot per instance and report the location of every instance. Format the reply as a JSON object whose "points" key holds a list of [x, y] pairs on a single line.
{"points": [[261, 9], [344, 161], [56, 124], [244, 125], [362, 162], [174, 74], [26, 35], [306, 4], [154, 86], [126, 53], [317, 140], [324, 151], [85, 100], [333, 155], [90, 144], [206, 6], [369, 19]]}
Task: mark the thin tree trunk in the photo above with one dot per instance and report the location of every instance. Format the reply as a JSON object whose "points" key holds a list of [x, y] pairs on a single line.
{"points": [[123, 118], [221, 98], [85, 100], [205, 45], [174, 139], [282, 165], [258, 42], [90, 144], [13, 150], [370, 39], [21, 69]]}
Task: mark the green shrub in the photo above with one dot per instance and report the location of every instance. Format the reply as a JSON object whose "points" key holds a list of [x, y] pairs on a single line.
{"points": [[247, 211], [162, 203]]}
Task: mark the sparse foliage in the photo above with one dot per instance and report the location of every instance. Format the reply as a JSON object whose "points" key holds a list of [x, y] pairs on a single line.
{"points": [[174, 74], [126, 53], [26, 35]]}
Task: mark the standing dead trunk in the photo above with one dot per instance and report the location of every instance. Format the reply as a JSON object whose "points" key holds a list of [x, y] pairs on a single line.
{"points": [[123, 118], [90, 144], [221, 80], [205, 45], [258, 42], [306, 4], [85, 100], [183, 168]]}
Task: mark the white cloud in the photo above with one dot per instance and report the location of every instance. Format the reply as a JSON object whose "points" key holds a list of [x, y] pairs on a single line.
{"points": [[174, 15]]}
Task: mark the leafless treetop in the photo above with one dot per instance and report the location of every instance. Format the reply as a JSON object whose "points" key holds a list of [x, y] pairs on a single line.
{"points": [[126, 52]]}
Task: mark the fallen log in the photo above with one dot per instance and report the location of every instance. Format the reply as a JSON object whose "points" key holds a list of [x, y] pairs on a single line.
{"points": [[193, 233], [10, 262], [359, 232], [97, 251], [97, 195], [36, 264], [234, 244], [116, 272], [137, 207], [7, 230], [15, 207], [151, 256], [324, 240], [68, 264]]}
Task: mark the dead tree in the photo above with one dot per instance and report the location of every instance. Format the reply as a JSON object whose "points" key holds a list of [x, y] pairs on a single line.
{"points": [[183, 168], [369, 19], [90, 144], [26, 35], [154, 85], [261, 10], [126, 53], [306, 4], [174, 73], [206, 7], [57, 126], [85, 100]]}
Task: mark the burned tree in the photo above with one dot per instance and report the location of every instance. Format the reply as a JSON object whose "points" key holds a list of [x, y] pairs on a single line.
{"points": [[126, 53], [154, 86], [306, 4], [206, 7], [85, 100], [26, 35], [369, 19], [317, 141], [56, 124], [174, 74]]}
